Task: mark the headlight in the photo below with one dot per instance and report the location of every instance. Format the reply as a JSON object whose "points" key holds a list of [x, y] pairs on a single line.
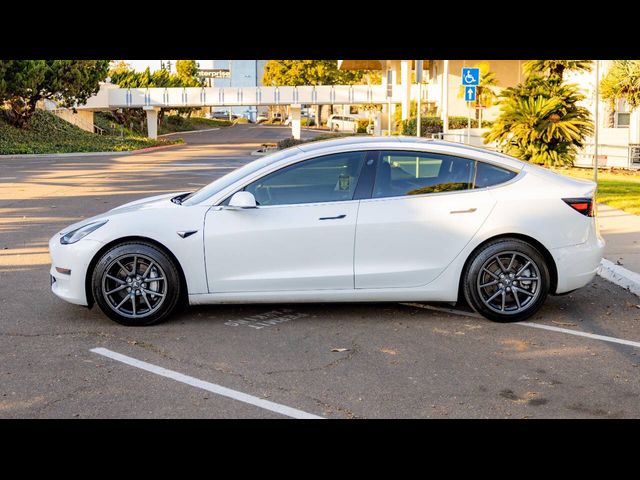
{"points": [[79, 233]]}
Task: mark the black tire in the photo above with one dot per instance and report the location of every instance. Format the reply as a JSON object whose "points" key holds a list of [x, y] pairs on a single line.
{"points": [[145, 256], [509, 299]]}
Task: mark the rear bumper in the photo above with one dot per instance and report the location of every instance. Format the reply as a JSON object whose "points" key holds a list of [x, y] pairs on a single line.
{"points": [[577, 264], [75, 257]]}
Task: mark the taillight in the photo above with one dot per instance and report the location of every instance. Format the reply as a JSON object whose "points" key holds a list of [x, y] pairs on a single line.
{"points": [[581, 205]]}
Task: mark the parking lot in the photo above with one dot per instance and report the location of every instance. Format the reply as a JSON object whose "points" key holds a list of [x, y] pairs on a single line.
{"points": [[579, 357]]}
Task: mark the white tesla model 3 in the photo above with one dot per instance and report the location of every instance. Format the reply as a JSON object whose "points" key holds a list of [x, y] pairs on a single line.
{"points": [[347, 220]]}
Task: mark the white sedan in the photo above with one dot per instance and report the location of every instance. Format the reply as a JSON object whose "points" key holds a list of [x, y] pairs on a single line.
{"points": [[348, 220]]}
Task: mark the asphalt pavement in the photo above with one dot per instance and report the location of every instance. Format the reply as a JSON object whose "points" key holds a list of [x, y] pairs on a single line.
{"points": [[577, 358]]}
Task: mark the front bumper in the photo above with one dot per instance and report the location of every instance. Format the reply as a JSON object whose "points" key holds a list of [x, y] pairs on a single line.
{"points": [[577, 264], [75, 257]]}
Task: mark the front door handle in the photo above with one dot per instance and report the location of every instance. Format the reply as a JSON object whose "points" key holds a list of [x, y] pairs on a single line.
{"points": [[468, 210], [338, 217]]}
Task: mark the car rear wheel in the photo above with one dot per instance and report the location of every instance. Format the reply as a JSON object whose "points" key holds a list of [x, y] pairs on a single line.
{"points": [[136, 284], [507, 280]]}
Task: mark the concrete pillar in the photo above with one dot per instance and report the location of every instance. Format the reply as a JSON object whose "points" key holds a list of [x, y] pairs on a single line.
{"points": [[634, 126], [445, 98], [405, 81], [377, 124], [152, 121], [294, 111]]}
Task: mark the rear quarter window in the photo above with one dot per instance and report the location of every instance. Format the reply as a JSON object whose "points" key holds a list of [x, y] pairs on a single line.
{"points": [[489, 175]]}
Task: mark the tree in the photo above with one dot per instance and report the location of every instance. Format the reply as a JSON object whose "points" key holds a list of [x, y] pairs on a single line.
{"points": [[68, 82], [119, 67], [309, 72], [556, 68], [622, 81], [540, 121], [187, 70]]}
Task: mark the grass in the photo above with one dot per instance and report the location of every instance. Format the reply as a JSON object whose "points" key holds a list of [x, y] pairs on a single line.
{"points": [[46, 133], [617, 188], [176, 123]]}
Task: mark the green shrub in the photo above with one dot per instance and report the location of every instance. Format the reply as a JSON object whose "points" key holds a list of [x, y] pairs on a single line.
{"points": [[363, 123], [307, 122], [47, 133]]}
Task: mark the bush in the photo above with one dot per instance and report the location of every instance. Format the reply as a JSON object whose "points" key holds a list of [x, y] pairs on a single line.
{"points": [[429, 125], [307, 122], [47, 133], [363, 123]]}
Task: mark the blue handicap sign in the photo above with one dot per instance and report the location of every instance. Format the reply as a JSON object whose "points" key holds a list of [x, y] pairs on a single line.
{"points": [[469, 94], [470, 76]]}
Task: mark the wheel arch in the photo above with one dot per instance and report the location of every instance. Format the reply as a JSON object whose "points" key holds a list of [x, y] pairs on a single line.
{"points": [[551, 263], [134, 238]]}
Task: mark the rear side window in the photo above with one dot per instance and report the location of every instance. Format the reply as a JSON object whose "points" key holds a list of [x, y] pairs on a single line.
{"points": [[489, 175], [417, 173]]}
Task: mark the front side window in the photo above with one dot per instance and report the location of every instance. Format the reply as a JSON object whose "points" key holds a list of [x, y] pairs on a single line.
{"points": [[331, 178], [417, 173]]}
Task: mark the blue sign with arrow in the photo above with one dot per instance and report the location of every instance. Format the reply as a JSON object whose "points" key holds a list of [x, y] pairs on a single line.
{"points": [[469, 94], [470, 77]]}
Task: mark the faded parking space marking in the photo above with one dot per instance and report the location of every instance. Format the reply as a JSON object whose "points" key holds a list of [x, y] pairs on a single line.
{"points": [[268, 319], [542, 326], [210, 387]]}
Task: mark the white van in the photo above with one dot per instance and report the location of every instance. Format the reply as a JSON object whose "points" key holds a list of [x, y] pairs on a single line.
{"points": [[343, 123]]}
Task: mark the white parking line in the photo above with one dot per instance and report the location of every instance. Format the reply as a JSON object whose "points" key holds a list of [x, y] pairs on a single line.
{"points": [[210, 387], [542, 326], [595, 336]]}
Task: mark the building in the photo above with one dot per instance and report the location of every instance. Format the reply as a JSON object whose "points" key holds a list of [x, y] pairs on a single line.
{"points": [[618, 130], [244, 73]]}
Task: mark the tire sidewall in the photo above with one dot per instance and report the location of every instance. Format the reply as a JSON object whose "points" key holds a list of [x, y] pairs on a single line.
{"points": [[172, 294], [478, 259]]}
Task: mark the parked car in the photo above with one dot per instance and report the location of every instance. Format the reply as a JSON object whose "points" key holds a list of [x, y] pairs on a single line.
{"points": [[343, 123], [224, 115], [357, 219], [262, 117]]}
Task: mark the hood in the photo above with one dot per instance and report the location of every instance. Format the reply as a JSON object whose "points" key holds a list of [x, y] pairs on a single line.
{"points": [[148, 202]]}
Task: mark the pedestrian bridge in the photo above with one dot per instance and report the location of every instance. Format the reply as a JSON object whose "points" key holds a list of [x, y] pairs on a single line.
{"points": [[111, 97]]}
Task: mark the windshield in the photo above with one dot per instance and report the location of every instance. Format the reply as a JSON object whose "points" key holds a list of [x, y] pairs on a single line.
{"points": [[223, 182]]}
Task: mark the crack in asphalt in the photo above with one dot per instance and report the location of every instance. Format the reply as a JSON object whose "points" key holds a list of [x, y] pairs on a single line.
{"points": [[352, 352]]}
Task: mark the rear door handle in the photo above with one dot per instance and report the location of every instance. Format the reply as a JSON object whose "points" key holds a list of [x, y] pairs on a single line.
{"points": [[338, 217], [468, 210]]}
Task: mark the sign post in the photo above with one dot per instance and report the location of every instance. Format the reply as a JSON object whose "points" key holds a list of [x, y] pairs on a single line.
{"points": [[470, 80], [419, 106]]}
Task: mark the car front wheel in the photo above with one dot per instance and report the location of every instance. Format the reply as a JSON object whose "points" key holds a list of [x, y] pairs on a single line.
{"points": [[506, 280], [136, 284]]}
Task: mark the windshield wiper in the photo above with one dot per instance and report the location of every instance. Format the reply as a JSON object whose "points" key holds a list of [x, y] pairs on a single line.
{"points": [[178, 200]]}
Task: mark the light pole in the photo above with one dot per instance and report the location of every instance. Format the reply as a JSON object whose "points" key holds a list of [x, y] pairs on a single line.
{"points": [[595, 135]]}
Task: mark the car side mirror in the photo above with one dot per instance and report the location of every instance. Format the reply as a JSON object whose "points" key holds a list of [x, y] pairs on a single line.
{"points": [[242, 201]]}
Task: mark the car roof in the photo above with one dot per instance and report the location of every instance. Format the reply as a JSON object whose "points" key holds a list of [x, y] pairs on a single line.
{"points": [[436, 146]]}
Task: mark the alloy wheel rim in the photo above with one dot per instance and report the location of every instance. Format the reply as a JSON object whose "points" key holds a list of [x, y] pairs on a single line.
{"points": [[134, 285], [509, 282]]}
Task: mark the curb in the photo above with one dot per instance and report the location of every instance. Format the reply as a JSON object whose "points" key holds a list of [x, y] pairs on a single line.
{"points": [[620, 276], [86, 154]]}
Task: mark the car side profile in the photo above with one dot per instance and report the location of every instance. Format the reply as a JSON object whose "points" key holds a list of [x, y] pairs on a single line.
{"points": [[356, 219]]}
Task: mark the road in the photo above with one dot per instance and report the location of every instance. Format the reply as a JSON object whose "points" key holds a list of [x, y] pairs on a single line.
{"points": [[276, 361]]}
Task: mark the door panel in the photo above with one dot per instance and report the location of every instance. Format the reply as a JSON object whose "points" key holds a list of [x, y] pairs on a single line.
{"points": [[409, 241], [284, 247]]}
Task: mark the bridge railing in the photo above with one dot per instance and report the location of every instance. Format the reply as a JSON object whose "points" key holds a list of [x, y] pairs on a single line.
{"points": [[246, 96]]}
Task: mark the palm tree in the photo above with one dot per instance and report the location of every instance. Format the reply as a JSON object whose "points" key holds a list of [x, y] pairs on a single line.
{"points": [[541, 121], [622, 81], [556, 68]]}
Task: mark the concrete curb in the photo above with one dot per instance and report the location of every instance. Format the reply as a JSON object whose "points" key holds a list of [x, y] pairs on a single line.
{"points": [[87, 154], [620, 276]]}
